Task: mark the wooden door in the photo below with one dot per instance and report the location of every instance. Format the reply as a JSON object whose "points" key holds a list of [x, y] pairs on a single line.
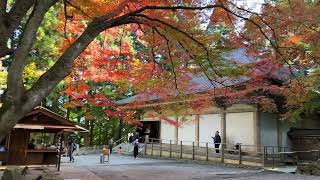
{"points": [[18, 146]]}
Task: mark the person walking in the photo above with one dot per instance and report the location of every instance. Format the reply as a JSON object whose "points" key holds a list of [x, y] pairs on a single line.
{"points": [[131, 138], [135, 148], [216, 141], [71, 148], [147, 135], [110, 145], [136, 136]]}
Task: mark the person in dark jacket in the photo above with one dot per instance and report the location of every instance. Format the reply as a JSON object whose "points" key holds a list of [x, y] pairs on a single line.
{"points": [[136, 136], [110, 145], [216, 141], [135, 148], [71, 148], [131, 138]]}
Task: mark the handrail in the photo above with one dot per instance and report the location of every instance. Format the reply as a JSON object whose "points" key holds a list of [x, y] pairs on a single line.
{"points": [[222, 143], [119, 140]]}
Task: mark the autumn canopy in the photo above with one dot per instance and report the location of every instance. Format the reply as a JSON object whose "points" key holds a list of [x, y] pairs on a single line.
{"points": [[157, 48]]}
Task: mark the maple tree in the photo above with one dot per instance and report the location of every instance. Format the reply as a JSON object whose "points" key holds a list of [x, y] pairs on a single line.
{"points": [[173, 33]]}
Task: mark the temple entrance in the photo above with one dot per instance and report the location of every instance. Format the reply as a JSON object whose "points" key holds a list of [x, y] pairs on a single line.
{"points": [[154, 130]]}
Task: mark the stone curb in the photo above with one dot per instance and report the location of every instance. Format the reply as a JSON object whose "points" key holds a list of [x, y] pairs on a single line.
{"points": [[207, 163]]}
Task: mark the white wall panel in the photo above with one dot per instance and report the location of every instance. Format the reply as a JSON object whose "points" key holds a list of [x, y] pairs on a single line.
{"points": [[268, 127], [187, 130], [167, 131], [208, 125], [240, 128]]}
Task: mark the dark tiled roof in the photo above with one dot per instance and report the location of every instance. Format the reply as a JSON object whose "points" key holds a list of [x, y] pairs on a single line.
{"points": [[200, 83]]}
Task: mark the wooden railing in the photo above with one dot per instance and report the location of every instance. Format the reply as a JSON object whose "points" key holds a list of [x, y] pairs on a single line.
{"points": [[98, 149], [232, 153]]}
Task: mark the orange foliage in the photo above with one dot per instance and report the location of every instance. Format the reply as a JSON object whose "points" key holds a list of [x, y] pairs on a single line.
{"points": [[281, 38]]}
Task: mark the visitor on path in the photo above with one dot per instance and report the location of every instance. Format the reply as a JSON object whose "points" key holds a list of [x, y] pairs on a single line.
{"points": [[136, 136], [216, 141], [71, 148], [120, 151], [147, 133], [131, 138], [136, 148], [110, 145]]}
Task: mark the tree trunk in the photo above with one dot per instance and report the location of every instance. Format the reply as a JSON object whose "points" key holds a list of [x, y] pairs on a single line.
{"points": [[18, 101], [119, 130], [86, 135], [91, 132], [100, 136]]}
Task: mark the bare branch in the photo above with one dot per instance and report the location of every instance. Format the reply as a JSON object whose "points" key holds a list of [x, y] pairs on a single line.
{"points": [[65, 21], [3, 7], [17, 12], [10, 21], [185, 34], [77, 8], [170, 57], [274, 43]]}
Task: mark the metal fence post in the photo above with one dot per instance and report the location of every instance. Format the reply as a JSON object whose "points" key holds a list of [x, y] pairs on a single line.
{"points": [[152, 148], [160, 147], [170, 149], [240, 157], [145, 147], [180, 149], [266, 153], [192, 150], [264, 156], [272, 157], [207, 152]]}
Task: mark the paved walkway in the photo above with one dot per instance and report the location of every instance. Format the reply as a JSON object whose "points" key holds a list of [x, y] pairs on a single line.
{"points": [[115, 159], [77, 173], [82, 168], [127, 168]]}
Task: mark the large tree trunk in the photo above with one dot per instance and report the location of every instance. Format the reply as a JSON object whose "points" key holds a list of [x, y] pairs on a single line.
{"points": [[91, 135], [18, 101], [9, 117], [119, 131], [86, 135]]}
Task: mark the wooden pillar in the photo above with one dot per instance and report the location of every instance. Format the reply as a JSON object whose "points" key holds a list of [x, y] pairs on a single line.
{"points": [[223, 126], [159, 134], [223, 132], [176, 131], [256, 128], [197, 121], [60, 149], [279, 133]]}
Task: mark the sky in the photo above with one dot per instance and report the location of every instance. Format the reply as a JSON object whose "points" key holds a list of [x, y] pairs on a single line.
{"points": [[255, 5]]}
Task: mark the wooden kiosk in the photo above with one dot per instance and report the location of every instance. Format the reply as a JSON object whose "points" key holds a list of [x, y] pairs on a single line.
{"points": [[34, 140]]}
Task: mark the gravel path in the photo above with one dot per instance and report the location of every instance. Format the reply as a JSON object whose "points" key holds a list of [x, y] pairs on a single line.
{"points": [[127, 168]]}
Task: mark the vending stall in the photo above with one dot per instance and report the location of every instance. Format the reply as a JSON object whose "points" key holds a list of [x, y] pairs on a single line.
{"points": [[36, 139]]}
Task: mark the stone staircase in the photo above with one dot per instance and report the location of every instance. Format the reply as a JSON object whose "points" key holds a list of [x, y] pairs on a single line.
{"points": [[127, 148]]}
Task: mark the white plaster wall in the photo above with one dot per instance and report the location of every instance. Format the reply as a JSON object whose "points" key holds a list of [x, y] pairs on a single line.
{"points": [[284, 129], [167, 131], [239, 128], [208, 125], [268, 127], [187, 130]]}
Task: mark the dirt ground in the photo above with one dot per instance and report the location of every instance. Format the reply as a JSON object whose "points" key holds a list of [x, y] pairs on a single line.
{"points": [[127, 168]]}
